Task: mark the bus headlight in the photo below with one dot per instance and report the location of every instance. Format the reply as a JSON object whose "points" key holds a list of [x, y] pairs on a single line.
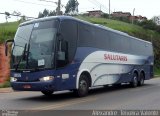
{"points": [[13, 79], [47, 78]]}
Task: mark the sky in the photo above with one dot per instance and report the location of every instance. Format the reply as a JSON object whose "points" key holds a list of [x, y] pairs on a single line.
{"points": [[31, 8]]}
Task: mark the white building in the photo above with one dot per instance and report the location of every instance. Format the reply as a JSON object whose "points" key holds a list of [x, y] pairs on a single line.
{"points": [[156, 19]]}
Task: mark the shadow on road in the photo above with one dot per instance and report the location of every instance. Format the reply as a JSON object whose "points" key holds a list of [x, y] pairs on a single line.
{"points": [[65, 96], [110, 89]]}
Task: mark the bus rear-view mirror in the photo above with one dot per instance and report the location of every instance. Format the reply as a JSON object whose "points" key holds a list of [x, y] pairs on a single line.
{"points": [[63, 49], [6, 45]]}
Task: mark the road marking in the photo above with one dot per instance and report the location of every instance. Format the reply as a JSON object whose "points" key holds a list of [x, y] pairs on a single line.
{"points": [[64, 104]]}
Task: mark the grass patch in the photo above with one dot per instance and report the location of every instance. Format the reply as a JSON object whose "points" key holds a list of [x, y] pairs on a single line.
{"points": [[5, 84], [8, 30], [157, 72]]}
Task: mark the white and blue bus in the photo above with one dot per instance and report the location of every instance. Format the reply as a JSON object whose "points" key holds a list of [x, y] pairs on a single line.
{"points": [[64, 53]]}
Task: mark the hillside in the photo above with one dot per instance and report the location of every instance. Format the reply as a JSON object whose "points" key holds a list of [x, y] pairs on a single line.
{"points": [[7, 31]]}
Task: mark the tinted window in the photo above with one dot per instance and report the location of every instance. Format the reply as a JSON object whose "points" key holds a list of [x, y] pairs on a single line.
{"points": [[120, 43], [69, 32], [86, 35], [102, 39], [90, 36], [97, 37], [115, 43]]}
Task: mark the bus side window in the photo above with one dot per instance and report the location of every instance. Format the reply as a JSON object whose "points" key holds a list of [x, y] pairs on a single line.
{"points": [[68, 32]]}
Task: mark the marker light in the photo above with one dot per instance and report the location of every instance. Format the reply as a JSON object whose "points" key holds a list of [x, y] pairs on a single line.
{"points": [[13, 79], [47, 78]]}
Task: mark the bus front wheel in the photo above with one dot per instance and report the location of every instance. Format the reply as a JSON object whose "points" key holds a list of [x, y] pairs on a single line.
{"points": [[47, 93], [83, 86]]}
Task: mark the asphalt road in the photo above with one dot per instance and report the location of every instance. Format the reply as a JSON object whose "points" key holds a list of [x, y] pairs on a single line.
{"points": [[110, 98]]}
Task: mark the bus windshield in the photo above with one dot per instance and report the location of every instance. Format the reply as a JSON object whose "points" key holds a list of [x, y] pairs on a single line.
{"points": [[33, 46]]}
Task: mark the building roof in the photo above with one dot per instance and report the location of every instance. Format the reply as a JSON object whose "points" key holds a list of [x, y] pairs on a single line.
{"points": [[95, 11]]}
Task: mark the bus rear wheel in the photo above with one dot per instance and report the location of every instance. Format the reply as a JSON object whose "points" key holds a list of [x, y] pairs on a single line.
{"points": [[47, 93], [83, 86], [141, 80], [134, 82]]}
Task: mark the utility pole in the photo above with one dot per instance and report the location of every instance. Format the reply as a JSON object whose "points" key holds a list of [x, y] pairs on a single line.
{"points": [[109, 9], [133, 16], [59, 8]]}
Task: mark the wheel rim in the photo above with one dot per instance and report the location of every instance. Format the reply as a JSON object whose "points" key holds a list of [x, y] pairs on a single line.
{"points": [[135, 82], [142, 80], [83, 86]]}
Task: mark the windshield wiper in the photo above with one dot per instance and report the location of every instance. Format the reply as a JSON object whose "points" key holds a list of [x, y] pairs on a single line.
{"points": [[21, 57]]}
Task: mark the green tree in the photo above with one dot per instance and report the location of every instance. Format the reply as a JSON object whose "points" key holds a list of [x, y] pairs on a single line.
{"points": [[72, 7], [52, 13], [40, 15], [46, 13], [148, 24], [105, 15]]}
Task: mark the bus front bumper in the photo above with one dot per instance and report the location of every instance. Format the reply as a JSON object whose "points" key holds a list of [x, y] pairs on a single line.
{"points": [[33, 86]]}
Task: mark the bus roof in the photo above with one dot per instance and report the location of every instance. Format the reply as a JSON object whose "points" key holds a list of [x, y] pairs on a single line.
{"points": [[61, 18]]}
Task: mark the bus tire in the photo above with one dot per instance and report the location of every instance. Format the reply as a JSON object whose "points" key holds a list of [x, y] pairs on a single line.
{"points": [[134, 82], [141, 80], [47, 93], [83, 86], [117, 85]]}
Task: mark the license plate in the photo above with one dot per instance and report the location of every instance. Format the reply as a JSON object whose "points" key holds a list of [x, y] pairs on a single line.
{"points": [[27, 86]]}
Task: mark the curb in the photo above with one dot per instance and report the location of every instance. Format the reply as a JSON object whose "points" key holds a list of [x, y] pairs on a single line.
{"points": [[156, 75], [6, 90]]}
